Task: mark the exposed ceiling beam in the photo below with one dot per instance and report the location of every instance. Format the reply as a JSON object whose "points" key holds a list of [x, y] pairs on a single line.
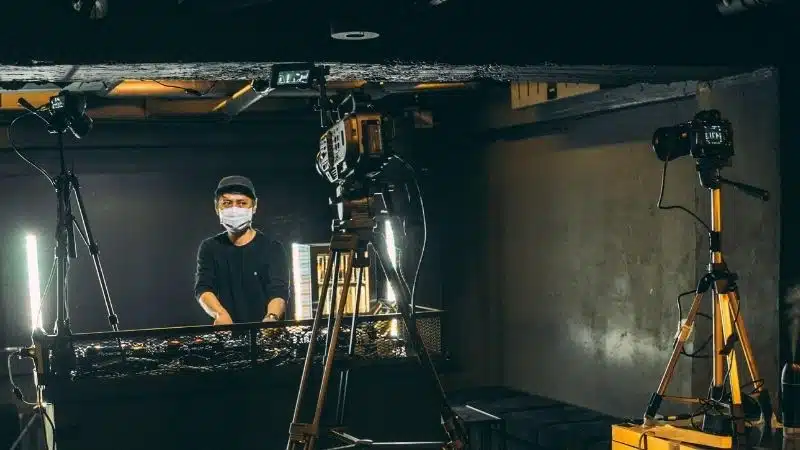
{"points": [[537, 119], [409, 73], [250, 94]]}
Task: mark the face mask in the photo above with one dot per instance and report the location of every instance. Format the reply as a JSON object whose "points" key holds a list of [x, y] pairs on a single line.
{"points": [[236, 219]]}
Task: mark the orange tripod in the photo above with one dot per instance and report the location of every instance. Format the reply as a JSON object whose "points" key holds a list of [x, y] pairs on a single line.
{"points": [[727, 328]]}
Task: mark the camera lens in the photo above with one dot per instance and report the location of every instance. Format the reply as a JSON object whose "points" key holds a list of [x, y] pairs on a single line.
{"points": [[670, 143]]}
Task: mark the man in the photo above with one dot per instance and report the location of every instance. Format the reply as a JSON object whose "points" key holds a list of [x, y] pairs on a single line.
{"points": [[242, 275]]}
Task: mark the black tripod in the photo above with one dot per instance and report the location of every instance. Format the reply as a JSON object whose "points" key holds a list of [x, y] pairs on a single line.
{"points": [[66, 183], [60, 116], [728, 323], [353, 232]]}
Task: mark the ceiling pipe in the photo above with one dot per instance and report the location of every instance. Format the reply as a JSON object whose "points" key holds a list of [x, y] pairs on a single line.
{"points": [[243, 98]]}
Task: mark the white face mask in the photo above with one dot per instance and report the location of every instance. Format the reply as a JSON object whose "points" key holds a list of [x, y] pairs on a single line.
{"points": [[236, 219]]}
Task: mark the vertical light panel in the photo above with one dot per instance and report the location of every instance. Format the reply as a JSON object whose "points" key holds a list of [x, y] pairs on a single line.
{"points": [[391, 297], [297, 271], [34, 286]]}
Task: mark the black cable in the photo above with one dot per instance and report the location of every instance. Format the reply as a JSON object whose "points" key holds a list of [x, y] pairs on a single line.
{"points": [[661, 206], [757, 385], [45, 419], [189, 91], [665, 207], [9, 135], [694, 354], [52, 427], [38, 409], [412, 172], [14, 387]]}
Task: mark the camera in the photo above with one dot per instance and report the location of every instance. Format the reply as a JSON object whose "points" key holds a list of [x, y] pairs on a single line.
{"points": [[706, 137], [352, 147]]}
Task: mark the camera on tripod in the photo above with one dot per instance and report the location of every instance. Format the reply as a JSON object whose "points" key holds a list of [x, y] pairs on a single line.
{"points": [[707, 137], [355, 156], [352, 147]]}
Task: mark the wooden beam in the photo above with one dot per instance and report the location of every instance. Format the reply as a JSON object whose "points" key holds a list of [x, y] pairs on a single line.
{"points": [[529, 93], [541, 116], [411, 72]]}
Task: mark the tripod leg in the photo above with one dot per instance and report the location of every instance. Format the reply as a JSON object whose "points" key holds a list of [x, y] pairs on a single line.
{"points": [[339, 302], [717, 353], [685, 331], [63, 246], [113, 320], [296, 432], [450, 422], [351, 347], [333, 291], [733, 370], [760, 390]]}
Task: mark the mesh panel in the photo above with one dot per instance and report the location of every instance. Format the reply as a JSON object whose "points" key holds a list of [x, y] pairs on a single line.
{"points": [[375, 338]]}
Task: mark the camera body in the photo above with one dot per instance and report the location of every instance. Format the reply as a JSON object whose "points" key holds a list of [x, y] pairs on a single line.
{"points": [[68, 112], [353, 147], [707, 137]]}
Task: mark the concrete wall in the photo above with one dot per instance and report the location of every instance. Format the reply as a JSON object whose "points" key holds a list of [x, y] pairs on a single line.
{"points": [[586, 269]]}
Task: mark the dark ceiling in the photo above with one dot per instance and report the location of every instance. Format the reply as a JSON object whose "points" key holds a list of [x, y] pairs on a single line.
{"points": [[456, 31]]}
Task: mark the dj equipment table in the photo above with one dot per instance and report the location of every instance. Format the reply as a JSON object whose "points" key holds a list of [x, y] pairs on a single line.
{"points": [[235, 387]]}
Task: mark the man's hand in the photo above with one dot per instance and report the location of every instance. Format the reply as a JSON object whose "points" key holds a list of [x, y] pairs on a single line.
{"points": [[223, 318]]}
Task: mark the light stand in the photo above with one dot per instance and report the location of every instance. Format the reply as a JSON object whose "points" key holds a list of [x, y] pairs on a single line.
{"points": [[727, 328], [354, 231]]}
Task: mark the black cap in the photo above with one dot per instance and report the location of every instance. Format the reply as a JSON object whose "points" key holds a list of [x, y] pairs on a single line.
{"points": [[236, 184]]}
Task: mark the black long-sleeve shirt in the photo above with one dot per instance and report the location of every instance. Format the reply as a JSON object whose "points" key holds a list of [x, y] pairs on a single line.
{"points": [[243, 278]]}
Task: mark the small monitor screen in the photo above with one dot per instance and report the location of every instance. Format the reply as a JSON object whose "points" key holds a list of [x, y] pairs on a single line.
{"points": [[293, 77]]}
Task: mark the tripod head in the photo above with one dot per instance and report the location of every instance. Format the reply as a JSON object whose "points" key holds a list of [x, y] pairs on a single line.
{"points": [[710, 176], [63, 112], [708, 138]]}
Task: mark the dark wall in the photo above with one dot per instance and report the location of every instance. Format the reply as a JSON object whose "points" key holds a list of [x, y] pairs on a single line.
{"points": [[790, 214], [590, 266], [581, 269]]}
